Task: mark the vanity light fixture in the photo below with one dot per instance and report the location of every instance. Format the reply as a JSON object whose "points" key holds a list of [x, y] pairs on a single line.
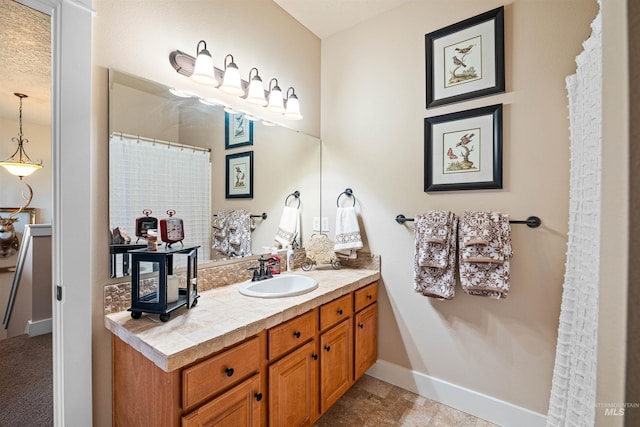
{"points": [[19, 164], [203, 70], [231, 84], [293, 106], [256, 89], [276, 103]]}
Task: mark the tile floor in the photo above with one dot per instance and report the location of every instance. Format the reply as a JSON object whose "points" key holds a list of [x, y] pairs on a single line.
{"points": [[374, 403]]}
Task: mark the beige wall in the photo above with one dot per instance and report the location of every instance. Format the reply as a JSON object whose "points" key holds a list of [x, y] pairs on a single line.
{"points": [[373, 107], [136, 37]]}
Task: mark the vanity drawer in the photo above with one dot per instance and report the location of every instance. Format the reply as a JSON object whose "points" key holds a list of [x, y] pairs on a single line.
{"points": [[336, 311], [365, 296], [205, 379], [289, 335]]}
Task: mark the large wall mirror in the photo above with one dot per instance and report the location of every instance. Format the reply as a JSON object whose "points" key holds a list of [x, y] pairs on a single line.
{"points": [[168, 152]]}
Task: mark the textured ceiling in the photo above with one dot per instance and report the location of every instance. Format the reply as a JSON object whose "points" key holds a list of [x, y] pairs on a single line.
{"points": [[25, 63]]}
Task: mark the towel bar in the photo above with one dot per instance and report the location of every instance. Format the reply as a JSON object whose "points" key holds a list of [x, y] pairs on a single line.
{"points": [[263, 215], [349, 193], [532, 221]]}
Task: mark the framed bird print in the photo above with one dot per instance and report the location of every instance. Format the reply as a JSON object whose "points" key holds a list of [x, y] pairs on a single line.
{"points": [[239, 175], [463, 150], [238, 130], [466, 60]]}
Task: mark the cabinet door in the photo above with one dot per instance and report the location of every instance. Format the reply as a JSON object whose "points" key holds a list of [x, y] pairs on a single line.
{"points": [[366, 339], [238, 407], [293, 388], [336, 363]]}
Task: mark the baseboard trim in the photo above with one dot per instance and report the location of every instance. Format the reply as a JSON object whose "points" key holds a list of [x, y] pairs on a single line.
{"points": [[39, 327], [477, 404]]}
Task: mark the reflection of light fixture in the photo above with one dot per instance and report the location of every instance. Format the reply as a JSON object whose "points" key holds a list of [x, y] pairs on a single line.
{"points": [[210, 101], [181, 93], [256, 90], [276, 104], [231, 84], [203, 69], [293, 106], [19, 164]]}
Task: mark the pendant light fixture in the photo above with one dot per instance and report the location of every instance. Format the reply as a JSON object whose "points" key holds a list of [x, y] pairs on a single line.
{"points": [[231, 84], [276, 103], [203, 71], [19, 164], [256, 90], [293, 106]]}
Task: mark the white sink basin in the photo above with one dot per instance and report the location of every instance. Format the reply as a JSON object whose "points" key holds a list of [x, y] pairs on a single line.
{"points": [[286, 285]]}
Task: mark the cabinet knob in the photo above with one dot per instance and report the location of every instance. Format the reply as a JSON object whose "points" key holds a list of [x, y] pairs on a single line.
{"points": [[258, 396], [369, 296], [296, 334], [340, 311], [229, 371], [327, 347], [360, 325], [314, 356]]}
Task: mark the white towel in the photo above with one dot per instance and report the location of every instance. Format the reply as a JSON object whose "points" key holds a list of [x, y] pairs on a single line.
{"points": [[434, 262], [348, 238], [289, 226]]}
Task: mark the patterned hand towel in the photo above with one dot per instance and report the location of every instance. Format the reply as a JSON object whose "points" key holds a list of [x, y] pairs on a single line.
{"points": [[485, 250], [435, 254], [289, 226], [239, 232], [348, 238], [219, 239]]}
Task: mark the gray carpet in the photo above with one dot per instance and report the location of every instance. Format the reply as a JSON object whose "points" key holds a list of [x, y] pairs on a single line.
{"points": [[26, 382]]}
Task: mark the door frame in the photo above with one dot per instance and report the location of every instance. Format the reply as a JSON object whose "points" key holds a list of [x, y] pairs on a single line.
{"points": [[71, 24]]}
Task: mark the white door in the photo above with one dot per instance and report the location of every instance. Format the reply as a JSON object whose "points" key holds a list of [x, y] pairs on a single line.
{"points": [[71, 171]]}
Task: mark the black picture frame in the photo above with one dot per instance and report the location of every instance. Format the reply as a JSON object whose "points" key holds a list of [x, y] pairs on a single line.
{"points": [[239, 175], [463, 150], [238, 130], [475, 45]]}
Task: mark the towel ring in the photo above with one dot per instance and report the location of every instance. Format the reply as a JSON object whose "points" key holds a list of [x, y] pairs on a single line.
{"points": [[349, 193], [295, 194]]}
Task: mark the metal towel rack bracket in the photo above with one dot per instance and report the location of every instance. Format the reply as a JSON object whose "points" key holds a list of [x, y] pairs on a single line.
{"points": [[263, 215], [532, 221], [295, 194], [349, 193]]}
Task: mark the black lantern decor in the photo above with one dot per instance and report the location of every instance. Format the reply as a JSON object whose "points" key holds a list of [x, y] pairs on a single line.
{"points": [[155, 289]]}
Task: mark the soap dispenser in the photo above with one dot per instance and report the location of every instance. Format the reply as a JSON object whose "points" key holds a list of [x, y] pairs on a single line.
{"points": [[290, 259]]}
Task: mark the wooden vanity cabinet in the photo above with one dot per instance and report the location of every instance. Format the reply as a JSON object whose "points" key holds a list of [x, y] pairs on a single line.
{"points": [[239, 406], [296, 370], [365, 329]]}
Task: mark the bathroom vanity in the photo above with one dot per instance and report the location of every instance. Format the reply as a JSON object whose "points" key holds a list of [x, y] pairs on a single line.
{"points": [[239, 360]]}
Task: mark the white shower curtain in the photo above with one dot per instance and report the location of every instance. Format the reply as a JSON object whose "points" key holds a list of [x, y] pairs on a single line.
{"points": [[147, 175], [573, 391]]}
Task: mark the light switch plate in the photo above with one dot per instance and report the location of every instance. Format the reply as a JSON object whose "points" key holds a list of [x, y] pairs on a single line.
{"points": [[316, 223], [325, 224]]}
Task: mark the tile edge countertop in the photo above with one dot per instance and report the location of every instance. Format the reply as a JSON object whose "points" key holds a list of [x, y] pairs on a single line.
{"points": [[223, 317]]}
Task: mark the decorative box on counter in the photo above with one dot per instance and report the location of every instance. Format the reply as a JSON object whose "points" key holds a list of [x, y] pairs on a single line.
{"points": [[154, 288]]}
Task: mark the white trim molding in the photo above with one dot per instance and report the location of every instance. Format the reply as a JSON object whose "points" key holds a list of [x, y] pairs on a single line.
{"points": [[477, 404], [39, 327]]}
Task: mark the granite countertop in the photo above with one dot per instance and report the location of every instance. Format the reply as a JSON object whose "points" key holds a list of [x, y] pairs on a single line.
{"points": [[224, 317]]}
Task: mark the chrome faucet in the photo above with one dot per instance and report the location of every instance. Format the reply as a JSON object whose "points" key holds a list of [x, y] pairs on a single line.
{"points": [[264, 271]]}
